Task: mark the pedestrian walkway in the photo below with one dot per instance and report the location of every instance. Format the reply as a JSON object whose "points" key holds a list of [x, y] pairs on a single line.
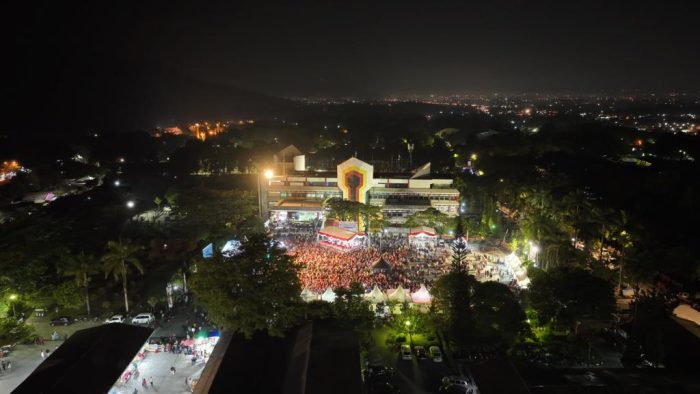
{"points": [[24, 359], [157, 366]]}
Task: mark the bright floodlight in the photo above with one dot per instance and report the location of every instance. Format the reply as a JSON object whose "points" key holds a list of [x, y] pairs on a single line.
{"points": [[117, 183], [268, 174], [13, 296], [408, 323], [130, 204], [535, 249]]}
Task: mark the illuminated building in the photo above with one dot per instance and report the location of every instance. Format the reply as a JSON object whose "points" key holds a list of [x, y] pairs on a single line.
{"points": [[294, 193]]}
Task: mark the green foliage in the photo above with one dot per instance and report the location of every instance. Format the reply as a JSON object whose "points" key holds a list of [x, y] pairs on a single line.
{"points": [[81, 268], [210, 214], [451, 306], [564, 295], [498, 316], [431, 217], [68, 295], [347, 210], [350, 309], [256, 291], [118, 262], [12, 331]]}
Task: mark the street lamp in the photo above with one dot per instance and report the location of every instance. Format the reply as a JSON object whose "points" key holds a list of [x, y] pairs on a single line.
{"points": [[130, 204], [268, 175], [410, 332], [13, 297]]}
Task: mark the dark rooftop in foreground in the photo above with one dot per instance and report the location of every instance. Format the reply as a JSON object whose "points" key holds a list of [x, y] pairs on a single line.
{"points": [[90, 361], [311, 359]]}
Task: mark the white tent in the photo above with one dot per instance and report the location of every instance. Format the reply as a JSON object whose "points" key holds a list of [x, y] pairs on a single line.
{"points": [[308, 295], [399, 295], [422, 296], [375, 296], [328, 295]]}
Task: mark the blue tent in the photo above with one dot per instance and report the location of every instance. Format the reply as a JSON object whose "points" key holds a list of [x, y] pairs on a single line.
{"points": [[208, 251]]}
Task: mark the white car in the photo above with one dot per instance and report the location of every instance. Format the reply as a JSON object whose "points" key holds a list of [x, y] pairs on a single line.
{"points": [[406, 352], [143, 318], [435, 354], [115, 319]]}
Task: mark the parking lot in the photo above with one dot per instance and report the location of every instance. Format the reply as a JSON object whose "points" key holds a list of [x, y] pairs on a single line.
{"points": [[421, 376]]}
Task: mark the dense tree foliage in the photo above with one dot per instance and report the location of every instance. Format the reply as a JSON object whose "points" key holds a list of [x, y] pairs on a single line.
{"points": [[258, 290], [565, 295], [118, 262], [452, 306]]}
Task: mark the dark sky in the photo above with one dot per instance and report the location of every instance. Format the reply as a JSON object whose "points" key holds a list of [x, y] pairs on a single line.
{"points": [[65, 51]]}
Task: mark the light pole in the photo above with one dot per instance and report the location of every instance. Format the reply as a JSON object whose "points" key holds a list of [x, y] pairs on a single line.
{"points": [[13, 297], [268, 175], [410, 333]]}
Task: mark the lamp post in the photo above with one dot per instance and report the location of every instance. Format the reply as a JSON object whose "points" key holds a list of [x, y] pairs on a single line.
{"points": [[268, 175], [410, 332], [13, 297]]}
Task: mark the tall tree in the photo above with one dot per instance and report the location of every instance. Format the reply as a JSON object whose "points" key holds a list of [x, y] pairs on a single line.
{"points": [[498, 316], [118, 261], [459, 249], [452, 306], [258, 290], [81, 267], [563, 295]]}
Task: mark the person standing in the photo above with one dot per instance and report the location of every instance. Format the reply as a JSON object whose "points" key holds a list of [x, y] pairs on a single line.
{"points": [[172, 369], [150, 380], [43, 355]]}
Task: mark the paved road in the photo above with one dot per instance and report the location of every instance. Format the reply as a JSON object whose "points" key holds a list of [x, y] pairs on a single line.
{"points": [[25, 358]]}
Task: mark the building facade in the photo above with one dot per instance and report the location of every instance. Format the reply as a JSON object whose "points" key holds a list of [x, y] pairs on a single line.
{"points": [[294, 194]]}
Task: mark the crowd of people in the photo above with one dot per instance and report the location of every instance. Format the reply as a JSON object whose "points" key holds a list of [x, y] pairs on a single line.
{"points": [[410, 264], [323, 267]]}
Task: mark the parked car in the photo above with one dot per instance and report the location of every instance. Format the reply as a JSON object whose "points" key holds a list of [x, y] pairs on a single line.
{"points": [[435, 354], [455, 389], [115, 319], [406, 352], [374, 372], [463, 381], [143, 318], [61, 321], [420, 351]]}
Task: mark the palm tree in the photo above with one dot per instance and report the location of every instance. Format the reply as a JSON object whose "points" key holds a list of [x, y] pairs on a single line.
{"points": [[81, 267], [118, 260]]}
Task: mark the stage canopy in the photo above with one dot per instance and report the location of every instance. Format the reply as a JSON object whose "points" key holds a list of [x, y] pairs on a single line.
{"points": [[422, 231], [340, 238]]}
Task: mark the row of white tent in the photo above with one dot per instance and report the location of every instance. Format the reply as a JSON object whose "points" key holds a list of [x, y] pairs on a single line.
{"points": [[376, 296]]}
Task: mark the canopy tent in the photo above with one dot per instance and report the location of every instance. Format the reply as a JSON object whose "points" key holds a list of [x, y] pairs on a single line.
{"points": [[380, 266], [375, 296], [422, 231], [340, 238], [231, 248], [308, 295], [399, 295], [422, 296], [328, 295]]}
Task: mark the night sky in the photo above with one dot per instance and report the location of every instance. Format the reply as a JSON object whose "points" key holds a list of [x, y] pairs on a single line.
{"points": [[108, 55]]}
